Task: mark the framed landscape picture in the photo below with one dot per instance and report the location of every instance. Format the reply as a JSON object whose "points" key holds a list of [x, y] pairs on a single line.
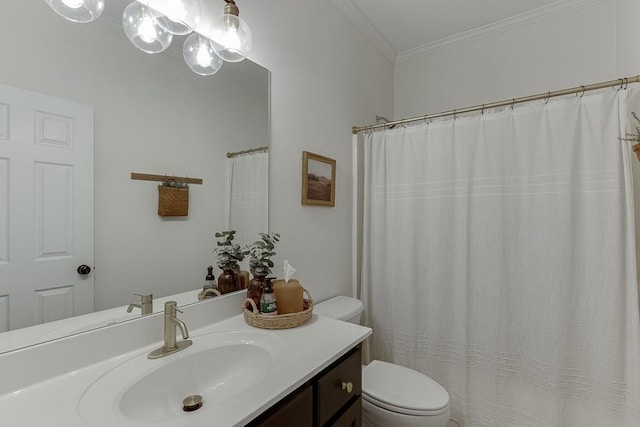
{"points": [[318, 180]]}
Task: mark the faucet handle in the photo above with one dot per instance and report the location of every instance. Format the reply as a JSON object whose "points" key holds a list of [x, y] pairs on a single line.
{"points": [[170, 307]]}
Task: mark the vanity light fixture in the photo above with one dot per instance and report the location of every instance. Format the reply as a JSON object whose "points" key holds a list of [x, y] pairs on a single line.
{"points": [[179, 17], [151, 24], [231, 34], [143, 29], [78, 10], [200, 56]]}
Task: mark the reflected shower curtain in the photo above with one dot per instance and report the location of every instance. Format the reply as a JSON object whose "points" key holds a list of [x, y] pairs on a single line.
{"points": [[248, 195], [499, 259]]}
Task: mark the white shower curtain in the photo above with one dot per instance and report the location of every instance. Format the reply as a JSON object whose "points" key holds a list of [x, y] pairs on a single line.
{"points": [[499, 259], [248, 195]]}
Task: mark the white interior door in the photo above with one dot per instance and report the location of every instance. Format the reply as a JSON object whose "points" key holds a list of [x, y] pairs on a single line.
{"points": [[46, 208]]}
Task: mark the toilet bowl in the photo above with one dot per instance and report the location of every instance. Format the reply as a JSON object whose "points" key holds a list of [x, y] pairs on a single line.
{"points": [[392, 395]]}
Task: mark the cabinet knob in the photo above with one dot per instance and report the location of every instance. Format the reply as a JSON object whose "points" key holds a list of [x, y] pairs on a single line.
{"points": [[347, 386]]}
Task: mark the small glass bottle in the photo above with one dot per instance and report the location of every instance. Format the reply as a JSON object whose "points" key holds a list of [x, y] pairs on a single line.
{"points": [[268, 306], [210, 280]]}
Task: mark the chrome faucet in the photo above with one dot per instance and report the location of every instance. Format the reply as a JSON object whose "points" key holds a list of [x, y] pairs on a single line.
{"points": [[171, 324], [145, 306]]}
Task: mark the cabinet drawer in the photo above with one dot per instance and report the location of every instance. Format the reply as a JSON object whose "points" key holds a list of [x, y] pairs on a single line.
{"points": [[353, 416], [296, 412], [331, 395]]}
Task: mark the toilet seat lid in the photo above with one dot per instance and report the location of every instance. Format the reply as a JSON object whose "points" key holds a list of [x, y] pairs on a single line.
{"points": [[401, 389]]}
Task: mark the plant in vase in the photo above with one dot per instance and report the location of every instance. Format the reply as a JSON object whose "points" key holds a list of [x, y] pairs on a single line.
{"points": [[260, 264], [228, 257]]}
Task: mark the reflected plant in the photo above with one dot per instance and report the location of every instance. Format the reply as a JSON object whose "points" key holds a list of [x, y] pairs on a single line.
{"points": [[173, 182], [229, 254], [635, 136]]}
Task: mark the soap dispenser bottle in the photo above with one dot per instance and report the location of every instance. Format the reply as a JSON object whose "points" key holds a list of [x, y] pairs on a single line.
{"points": [[268, 305], [210, 280], [210, 288]]}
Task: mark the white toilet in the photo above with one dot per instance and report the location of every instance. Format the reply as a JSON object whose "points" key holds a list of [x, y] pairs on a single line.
{"points": [[392, 395]]}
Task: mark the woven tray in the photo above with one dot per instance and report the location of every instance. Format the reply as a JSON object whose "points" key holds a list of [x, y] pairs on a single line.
{"points": [[281, 321]]}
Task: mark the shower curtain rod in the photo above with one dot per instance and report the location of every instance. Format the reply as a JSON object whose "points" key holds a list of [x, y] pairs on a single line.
{"points": [[251, 150], [623, 82]]}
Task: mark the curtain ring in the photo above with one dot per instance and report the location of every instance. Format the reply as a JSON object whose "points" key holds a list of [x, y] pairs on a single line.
{"points": [[513, 103], [583, 90], [424, 119], [546, 101], [482, 111], [402, 124], [626, 83], [454, 115], [621, 84]]}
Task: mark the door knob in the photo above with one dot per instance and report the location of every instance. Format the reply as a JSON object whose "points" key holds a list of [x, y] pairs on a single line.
{"points": [[83, 270]]}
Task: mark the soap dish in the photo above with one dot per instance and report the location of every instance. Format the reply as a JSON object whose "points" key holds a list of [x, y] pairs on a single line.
{"points": [[280, 321]]}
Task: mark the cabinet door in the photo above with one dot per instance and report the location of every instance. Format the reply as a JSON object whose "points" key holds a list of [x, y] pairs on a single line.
{"points": [[353, 416], [296, 412], [338, 386]]}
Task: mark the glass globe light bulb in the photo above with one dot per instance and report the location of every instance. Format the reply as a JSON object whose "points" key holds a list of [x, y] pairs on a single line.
{"points": [[200, 56], [78, 10], [179, 17], [74, 4], [231, 37], [147, 30], [143, 31]]}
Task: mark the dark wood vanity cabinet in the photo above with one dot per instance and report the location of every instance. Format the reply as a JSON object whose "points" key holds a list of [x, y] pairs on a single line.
{"points": [[331, 398], [295, 410]]}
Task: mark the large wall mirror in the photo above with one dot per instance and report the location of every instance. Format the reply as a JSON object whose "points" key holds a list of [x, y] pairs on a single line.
{"points": [[151, 115]]}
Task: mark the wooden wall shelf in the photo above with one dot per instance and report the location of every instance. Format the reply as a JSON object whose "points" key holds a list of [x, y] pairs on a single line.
{"points": [[164, 178]]}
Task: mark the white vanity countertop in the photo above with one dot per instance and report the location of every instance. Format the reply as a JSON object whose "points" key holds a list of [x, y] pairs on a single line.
{"points": [[19, 338], [309, 349]]}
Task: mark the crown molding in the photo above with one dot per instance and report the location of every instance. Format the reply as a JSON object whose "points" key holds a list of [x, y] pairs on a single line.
{"points": [[354, 13], [501, 26]]}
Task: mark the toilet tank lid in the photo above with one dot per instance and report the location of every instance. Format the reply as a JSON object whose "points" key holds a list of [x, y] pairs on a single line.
{"points": [[402, 388], [340, 307]]}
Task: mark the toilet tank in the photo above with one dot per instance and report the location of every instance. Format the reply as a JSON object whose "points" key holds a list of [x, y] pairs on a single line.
{"points": [[343, 308]]}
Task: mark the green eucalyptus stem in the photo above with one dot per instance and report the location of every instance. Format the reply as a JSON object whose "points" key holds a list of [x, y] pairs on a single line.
{"points": [[260, 253]]}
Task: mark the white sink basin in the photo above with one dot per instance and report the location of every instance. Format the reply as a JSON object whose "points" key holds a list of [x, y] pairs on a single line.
{"points": [[219, 367]]}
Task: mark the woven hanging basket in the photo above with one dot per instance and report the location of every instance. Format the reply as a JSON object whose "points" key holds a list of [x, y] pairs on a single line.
{"points": [[281, 321], [173, 201]]}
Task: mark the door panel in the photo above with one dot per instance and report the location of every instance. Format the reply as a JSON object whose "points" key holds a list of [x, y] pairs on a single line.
{"points": [[46, 208]]}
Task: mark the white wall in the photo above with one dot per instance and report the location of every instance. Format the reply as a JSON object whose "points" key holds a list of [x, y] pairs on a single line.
{"points": [[565, 50], [326, 77], [627, 37], [152, 115]]}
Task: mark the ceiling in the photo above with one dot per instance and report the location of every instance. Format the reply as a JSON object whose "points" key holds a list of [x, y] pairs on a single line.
{"points": [[401, 26]]}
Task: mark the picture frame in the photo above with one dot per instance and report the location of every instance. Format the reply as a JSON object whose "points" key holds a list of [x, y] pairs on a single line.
{"points": [[318, 180]]}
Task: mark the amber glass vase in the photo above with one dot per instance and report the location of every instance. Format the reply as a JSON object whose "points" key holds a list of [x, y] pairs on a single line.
{"points": [[228, 281], [256, 286]]}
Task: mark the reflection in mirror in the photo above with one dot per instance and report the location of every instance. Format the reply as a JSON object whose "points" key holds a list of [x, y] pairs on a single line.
{"points": [[141, 114]]}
